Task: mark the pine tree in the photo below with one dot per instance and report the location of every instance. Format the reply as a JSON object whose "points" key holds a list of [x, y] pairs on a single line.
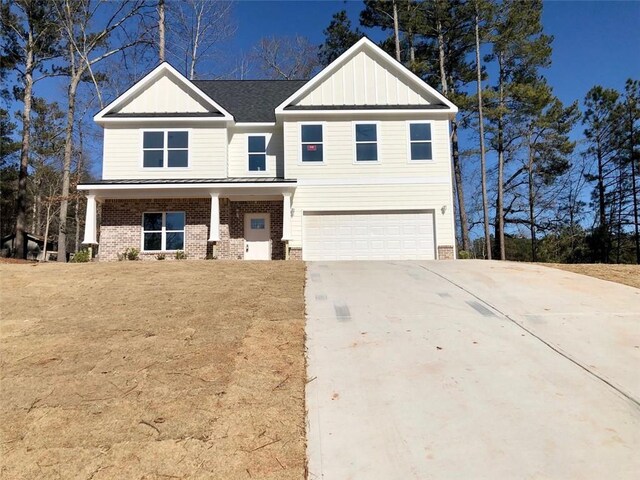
{"points": [[601, 118], [520, 48], [338, 38]]}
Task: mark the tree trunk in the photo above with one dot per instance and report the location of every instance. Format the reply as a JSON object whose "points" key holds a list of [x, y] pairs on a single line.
{"points": [[455, 151], [532, 224], [634, 186], [396, 29], [161, 29], [457, 169], [46, 232], [20, 247], [76, 214], [604, 230], [500, 199], [483, 160], [441, 59], [66, 168]]}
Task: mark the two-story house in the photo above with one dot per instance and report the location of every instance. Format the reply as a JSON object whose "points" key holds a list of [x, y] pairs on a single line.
{"points": [[352, 164]]}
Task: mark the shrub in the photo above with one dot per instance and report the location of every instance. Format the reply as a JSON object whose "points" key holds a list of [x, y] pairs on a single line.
{"points": [[180, 255], [82, 256], [464, 255], [130, 253], [160, 256]]}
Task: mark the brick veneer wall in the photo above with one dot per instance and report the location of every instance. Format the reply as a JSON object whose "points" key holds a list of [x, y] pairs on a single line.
{"points": [[121, 226], [295, 254], [445, 252], [231, 245]]}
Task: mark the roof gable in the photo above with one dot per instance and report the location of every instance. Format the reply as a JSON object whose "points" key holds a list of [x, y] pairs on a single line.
{"points": [[365, 75], [164, 90]]}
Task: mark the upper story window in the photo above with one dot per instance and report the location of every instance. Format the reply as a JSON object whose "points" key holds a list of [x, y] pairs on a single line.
{"points": [[257, 148], [311, 136], [163, 231], [366, 142], [420, 141], [168, 148]]}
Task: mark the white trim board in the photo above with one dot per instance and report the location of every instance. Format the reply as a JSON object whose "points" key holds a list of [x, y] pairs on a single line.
{"points": [[327, 182]]}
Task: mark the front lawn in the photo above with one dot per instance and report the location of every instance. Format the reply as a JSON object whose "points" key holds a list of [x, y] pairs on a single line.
{"points": [[152, 370], [625, 274]]}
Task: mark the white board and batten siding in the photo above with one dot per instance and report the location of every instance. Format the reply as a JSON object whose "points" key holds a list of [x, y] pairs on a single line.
{"points": [[364, 81], [165, 95]]}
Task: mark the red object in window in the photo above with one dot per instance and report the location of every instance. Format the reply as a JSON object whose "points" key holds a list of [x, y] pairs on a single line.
{"points": [[312, 148]]}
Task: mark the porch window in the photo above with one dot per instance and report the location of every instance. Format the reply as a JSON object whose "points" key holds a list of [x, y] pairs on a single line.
{"points": [[163, 231], [420, 143], [168, 148], [312, 142], [257, 148], [366, 142]]}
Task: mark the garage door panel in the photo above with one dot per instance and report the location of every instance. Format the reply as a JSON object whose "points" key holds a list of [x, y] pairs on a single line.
{"points": [[368, 236]]}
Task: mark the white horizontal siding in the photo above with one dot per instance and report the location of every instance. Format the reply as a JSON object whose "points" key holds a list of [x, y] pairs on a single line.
{"points": [[364, 81], [164, 95], [393, 152], [122, 157], [238, 151], [376, 198]]}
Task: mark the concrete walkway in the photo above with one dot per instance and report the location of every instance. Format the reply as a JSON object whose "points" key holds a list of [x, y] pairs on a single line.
{"points": [[470, 370]]}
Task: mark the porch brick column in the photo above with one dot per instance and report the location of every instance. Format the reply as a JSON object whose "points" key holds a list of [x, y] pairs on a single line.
{"points": [[286, 216], [90, 224], [214, 228]]}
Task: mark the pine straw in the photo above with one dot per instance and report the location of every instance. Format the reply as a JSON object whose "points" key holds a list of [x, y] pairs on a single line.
{"points": [[625, 274], [152, 370]]}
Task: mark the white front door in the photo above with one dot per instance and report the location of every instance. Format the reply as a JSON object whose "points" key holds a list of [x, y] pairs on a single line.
{"points": [[257, 236]]}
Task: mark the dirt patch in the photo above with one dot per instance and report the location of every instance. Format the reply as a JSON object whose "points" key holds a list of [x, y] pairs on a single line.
{"points": [[16, 260], [152, 370], [625, 274]]}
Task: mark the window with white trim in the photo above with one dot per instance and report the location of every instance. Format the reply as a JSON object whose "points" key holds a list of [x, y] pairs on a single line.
{"points": [[366, 142], [257, 148], [420, 143], [168, 148], [311, 137], [163, 231]]}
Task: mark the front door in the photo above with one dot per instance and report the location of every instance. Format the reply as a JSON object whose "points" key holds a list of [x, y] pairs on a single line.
{"points": [[257, 236]]}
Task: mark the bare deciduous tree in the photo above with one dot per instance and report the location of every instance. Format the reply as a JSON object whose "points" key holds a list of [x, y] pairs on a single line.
{"points": [[286, 58], [87, 29], [194, 29]]}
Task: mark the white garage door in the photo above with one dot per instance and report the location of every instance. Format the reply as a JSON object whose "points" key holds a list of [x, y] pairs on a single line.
{"points": [[398, 235]]}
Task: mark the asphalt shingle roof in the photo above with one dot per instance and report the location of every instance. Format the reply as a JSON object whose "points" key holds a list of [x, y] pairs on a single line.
{"points": [[250, 100]]}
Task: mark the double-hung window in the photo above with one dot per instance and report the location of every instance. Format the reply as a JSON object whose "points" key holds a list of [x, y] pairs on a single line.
{"points": [[257, 148], [311, 136], [420, 143], [163, 231], [366, 142], [169, 148]]}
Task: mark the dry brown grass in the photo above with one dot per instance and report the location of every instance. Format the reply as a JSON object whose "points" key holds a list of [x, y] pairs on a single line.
{"points": [[152, 370], [625, 274]]}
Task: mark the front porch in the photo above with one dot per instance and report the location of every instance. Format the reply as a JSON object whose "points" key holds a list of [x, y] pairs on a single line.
{"points": [[228, 224]]}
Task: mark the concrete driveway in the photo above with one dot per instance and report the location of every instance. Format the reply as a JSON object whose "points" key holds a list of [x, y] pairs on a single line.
{"points": [[470, 370]]}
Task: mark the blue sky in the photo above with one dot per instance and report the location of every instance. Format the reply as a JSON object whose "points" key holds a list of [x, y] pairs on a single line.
{"points": [[595, 42]]}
